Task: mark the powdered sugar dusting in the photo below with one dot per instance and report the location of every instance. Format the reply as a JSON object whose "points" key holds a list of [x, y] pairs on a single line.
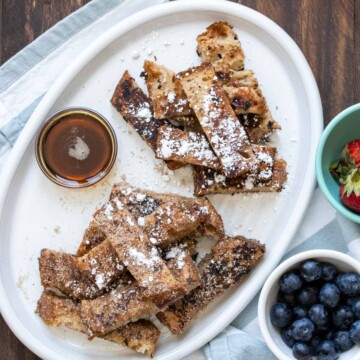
{"points": [[178, 253], [139, 258], [108, 212], [219, 122], [144, 112], [100, 281], [178, 143]]}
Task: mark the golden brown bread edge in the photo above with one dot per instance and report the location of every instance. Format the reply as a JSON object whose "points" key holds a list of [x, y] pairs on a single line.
{"points": [[220, 46], [166, 94], [55, 311], [231, 259]]}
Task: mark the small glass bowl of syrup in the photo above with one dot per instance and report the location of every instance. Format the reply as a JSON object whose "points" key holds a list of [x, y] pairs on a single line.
{"points": [[76, 148]]}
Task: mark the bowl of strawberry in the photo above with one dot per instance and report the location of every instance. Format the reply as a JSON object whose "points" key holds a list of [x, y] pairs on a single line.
{"points": [[338, 163], [309, 307]]}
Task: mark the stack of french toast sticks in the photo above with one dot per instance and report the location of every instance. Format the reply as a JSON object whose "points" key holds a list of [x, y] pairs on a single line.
{"points": [[213, 117], [138, 260]]}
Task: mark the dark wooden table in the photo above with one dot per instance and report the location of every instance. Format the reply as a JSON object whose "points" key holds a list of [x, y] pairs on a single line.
{"points": [[327, 31]]}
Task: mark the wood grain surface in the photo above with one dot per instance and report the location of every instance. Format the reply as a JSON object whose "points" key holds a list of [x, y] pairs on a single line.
{"points": [[327, 31]]}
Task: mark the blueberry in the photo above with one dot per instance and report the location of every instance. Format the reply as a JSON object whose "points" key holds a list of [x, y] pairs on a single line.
{"points": [[356, 308], [349, 301], [329, 295], [290, 283], [307, 297], [342, 341], [310, 270], [329, 271], [302, 351], [280, 315], [329, 335], [288, 299], [319, 315], [342, 317], [299, 312], [355, 332], [287, 337], [315, 341], [349, 284], [302, 329], [326, 351]]}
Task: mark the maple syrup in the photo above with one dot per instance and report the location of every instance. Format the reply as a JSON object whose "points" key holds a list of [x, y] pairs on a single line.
{"points": [[76, 148]]}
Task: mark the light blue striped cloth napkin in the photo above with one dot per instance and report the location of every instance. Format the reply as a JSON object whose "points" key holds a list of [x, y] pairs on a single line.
{"points": [[38, 65]]}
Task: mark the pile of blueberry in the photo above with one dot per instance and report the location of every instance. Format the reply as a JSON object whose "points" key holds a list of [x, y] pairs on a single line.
{"points": [[318, 311]]}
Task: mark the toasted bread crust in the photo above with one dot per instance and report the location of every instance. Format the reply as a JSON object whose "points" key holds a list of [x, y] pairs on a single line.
{"points": [[218, 120], [173, 221], [55, 311], [165, 92], [219, 45], [249, 104], [244, 92], [230, 260], [259, 128]]}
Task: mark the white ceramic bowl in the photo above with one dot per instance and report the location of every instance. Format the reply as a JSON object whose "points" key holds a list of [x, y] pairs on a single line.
{"points": [[268, 296]]}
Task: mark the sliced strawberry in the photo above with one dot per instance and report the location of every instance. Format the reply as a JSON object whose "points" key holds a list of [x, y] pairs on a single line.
{"points": [[350, 191]]}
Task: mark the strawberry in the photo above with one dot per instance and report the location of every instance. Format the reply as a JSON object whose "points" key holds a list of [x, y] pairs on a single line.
{"points": [[351, 152], [350, 191], [349, 160]]}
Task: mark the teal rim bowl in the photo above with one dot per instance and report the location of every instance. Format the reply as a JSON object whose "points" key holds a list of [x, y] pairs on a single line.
{"points": [[342, 129]]}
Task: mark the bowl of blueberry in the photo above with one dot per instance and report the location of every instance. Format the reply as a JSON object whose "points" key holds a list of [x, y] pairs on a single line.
{"points": [[309, 307]]}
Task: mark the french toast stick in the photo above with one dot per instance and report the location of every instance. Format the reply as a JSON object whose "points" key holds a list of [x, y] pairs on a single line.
{"points": [[270, 176], [124, 305], [140, 336], [230, 260], [218, 120], [83, 277], [139, 255], [142, 203], [185, 146], [167, 96], [219, 45], [135, 107], [94, 273], [208, 181]]}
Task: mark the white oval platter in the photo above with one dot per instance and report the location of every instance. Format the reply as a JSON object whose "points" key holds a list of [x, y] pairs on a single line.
{"points": [[36, 213]]}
